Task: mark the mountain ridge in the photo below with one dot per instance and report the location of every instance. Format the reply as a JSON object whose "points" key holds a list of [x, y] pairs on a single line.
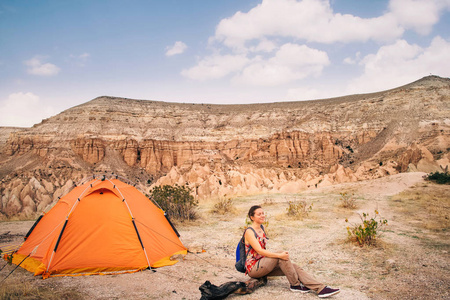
{"points": [[226, 150]]}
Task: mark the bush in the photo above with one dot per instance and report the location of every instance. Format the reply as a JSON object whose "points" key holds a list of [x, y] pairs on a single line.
{"points": [[438, 177], [367, 232], [268, 201], [298, 209], [176, 200], [347, 200], [9, 258], [223, 206]]}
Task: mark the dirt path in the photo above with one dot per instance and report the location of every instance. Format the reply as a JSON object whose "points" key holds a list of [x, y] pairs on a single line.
{"points": [[408, 262]]}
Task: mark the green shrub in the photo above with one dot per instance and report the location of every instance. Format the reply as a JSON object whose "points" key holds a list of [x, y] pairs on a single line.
{"points": [[9, 258], [176, 200], [367, 232], [347, 200], [223, 206], [438, 177], [298, 209]]}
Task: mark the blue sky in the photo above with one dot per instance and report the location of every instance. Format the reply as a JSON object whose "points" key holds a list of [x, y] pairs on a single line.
{"points": [[55, 54]]}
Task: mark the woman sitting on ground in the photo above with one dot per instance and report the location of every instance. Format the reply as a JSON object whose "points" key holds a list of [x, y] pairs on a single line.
{"points": [[261, 262]]}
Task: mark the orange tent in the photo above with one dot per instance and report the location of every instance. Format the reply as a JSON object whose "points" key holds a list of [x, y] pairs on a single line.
{"points": [[101, 227]]}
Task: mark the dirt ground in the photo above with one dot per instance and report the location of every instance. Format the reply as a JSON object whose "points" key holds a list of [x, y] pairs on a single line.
{"points": [[410, 260]]}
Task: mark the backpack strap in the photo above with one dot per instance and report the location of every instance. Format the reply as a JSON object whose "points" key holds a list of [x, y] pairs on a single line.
{"points": [[252, 230], [262, 227], [256, 236], [243, 240]]}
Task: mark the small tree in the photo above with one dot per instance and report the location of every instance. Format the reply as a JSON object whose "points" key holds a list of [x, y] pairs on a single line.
{"points": [[176, 200]]}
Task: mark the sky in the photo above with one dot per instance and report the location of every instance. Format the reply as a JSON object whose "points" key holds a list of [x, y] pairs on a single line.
{"points": [[56, 54]]}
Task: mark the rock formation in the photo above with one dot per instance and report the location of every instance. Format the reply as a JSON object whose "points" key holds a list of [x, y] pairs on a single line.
{"points": [[226, 150]]}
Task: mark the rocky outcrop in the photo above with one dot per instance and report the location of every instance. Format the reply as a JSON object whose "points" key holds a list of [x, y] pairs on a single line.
{"points": [[23, 196], [228, 150], [280, 150], [89, 149]]}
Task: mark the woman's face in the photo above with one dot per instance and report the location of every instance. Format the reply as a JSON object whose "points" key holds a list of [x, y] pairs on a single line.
{"points": [[259, 216]]}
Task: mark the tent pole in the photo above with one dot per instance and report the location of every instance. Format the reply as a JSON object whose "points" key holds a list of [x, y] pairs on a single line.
{"points": [[132, 220], [65, 224], [57, 242], [32, 227]]}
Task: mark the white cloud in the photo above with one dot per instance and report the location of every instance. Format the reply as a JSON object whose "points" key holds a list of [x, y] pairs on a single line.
{"points": [[351, 60], [178, 48], [251, 55], [315, 21], [310, 20], [419, 15], [291, 62], [37, 67], [303, 93], [81, 59], [23, 109], [85, 55], [216, 66], [401, 63], [320, 91], [263, 46]]}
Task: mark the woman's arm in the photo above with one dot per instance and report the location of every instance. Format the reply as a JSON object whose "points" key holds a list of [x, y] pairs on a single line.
{"points": [[251, 239]]}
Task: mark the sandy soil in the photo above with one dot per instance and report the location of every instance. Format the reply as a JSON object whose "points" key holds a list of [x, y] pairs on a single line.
{"points": [[409, 260]]}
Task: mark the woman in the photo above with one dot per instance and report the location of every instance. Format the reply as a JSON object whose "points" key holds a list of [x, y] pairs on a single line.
{"points": [[261, 262]]}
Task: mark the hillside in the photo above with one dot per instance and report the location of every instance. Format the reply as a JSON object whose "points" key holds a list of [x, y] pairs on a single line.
{"points": [[226, 150]]}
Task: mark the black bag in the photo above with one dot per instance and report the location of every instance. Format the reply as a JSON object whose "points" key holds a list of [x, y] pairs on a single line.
{"points": [[241, 254]]}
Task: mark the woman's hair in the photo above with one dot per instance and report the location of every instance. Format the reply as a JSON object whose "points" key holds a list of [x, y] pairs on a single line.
{"points": [[251, 211]]}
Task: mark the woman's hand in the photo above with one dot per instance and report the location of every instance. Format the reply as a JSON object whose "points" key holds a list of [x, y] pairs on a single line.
{"points": [[283, 255], [251, 239]]}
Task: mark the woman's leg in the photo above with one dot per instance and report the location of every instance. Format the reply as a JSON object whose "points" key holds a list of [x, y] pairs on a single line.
{"points": [[294, 273], [275, 267], [308, 280]]}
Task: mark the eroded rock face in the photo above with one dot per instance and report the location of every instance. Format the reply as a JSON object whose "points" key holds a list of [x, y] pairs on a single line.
{"points": [[226, 150], [90, 149]]}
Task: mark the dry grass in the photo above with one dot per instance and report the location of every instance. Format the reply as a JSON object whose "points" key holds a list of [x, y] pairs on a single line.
{"points": [[268, 201], [32, 217], [426, 206], [298, 209], [22, 287], [224, 206], [348, 200]]}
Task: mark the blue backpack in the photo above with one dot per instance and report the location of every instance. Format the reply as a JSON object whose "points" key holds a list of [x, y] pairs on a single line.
{"points": [[241, 254]]}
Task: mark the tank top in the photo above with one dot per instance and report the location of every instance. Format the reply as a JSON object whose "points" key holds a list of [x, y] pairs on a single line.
{"points": [[252, 256]]}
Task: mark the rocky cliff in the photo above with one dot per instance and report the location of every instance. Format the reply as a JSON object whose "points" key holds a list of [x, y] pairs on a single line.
{"points": [[226, 150]]}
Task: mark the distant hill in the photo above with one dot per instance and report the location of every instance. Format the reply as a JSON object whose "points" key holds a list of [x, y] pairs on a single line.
{"points": [[226, 150]]}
